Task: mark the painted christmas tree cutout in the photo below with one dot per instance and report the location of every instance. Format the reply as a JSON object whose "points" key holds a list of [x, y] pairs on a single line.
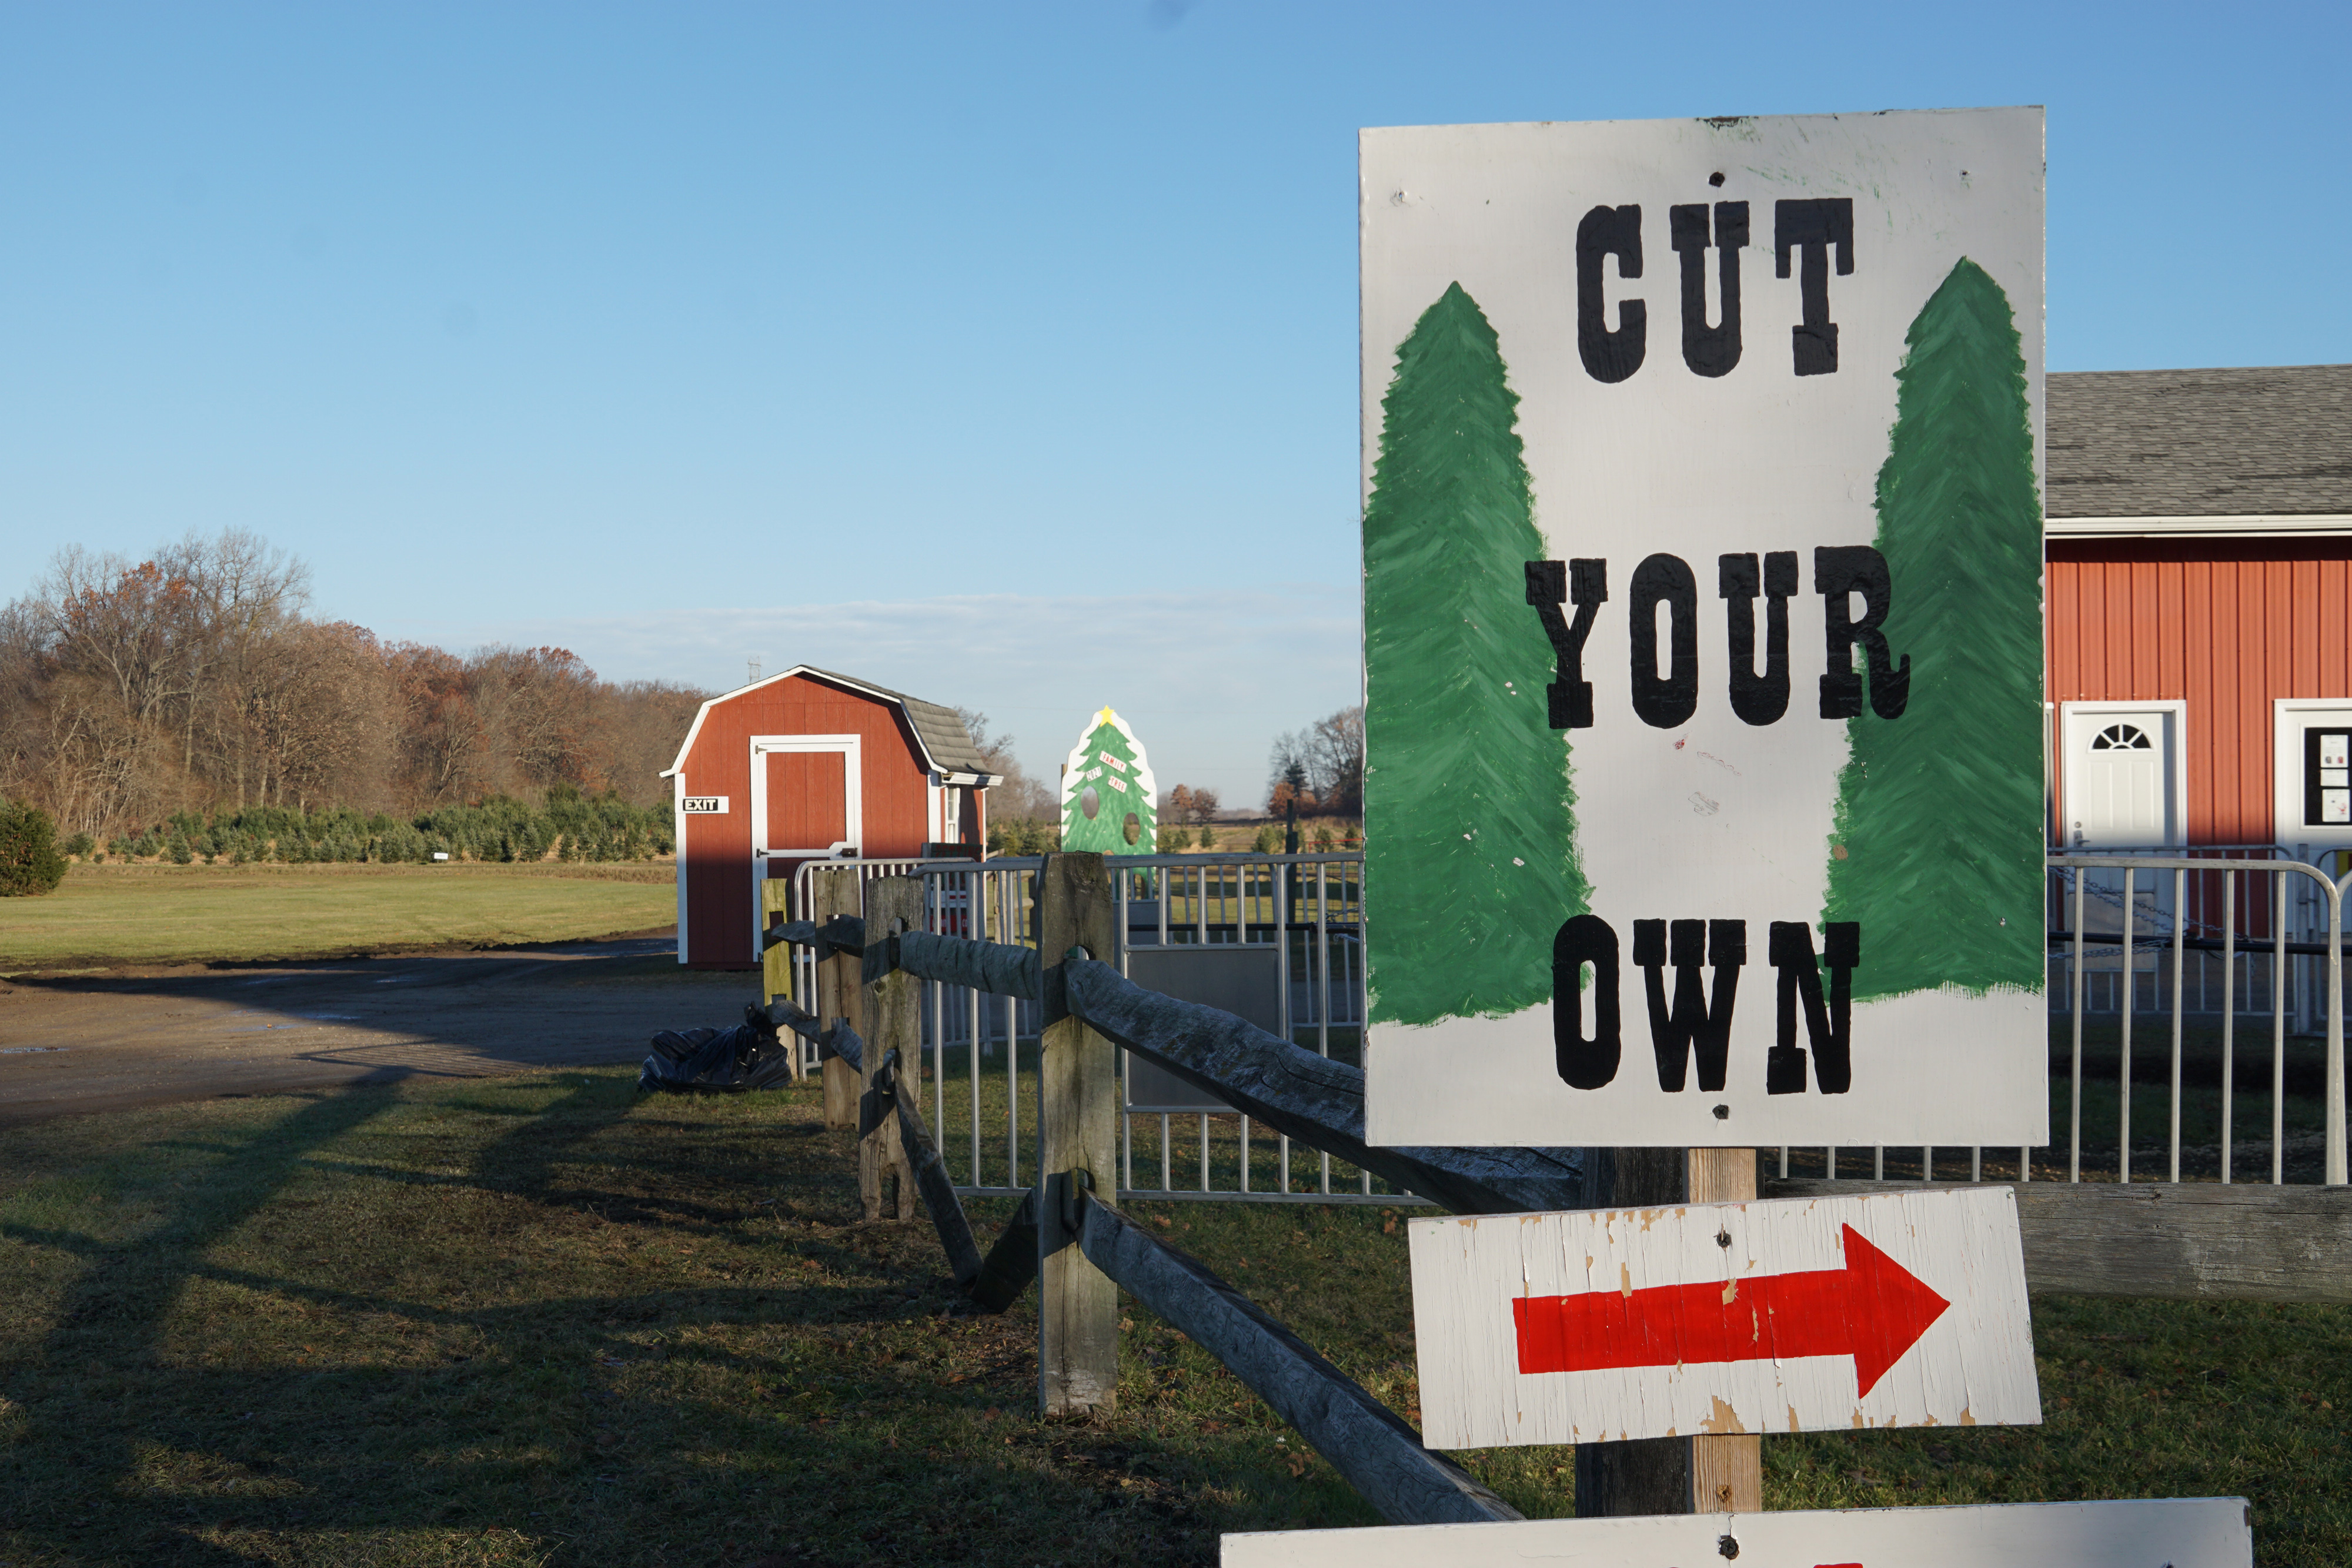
{"points": [[1469, 814], [1109, 800], [1936, 850]]}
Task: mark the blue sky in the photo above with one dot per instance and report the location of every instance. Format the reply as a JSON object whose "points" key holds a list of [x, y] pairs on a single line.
{"points": [[1005, 354]]}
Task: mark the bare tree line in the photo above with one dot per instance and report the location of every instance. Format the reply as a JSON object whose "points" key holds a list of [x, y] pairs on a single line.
{"points": [[1320, 767], [193, 681], [1017, 795]]}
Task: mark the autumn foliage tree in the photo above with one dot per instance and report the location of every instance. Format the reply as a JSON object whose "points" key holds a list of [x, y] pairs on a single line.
{"points": [[193, 682]]}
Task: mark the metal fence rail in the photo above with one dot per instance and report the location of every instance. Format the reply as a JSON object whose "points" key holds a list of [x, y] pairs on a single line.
{"points": [[2225, 952], [1302, 913], [2229, 940]]}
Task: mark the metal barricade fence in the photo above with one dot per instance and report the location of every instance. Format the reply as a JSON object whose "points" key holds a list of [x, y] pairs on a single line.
{"points": [[2153, 908], [2266, 933], [1297, 920]]}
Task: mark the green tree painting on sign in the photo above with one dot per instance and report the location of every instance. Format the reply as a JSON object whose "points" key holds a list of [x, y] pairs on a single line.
{"points": [[1937, 848], [1469, 816]]}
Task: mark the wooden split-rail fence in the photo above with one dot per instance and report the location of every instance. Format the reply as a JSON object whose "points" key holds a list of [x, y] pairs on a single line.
{"points": [[2203, 1241]]}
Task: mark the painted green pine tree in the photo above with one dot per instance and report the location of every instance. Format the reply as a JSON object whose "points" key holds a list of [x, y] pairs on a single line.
{"points": [[1107, 792], [1471, 862], [1937, 845]]}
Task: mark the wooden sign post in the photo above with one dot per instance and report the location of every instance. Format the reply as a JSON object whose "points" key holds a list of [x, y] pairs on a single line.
{"points": [[2171, 1532], [1899, 1309], [1711, 1472]]}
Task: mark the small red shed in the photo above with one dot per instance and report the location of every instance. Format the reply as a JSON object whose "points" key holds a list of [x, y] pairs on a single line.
{"points": [[2199, 582], [810, 765]]}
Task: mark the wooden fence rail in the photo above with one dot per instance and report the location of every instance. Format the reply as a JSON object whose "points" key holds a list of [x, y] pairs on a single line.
{"points": [[2166, 1240], [1379, 1453], [1311, 1099], [1082, 1247], [2260, 1243], [1290, 1090]]}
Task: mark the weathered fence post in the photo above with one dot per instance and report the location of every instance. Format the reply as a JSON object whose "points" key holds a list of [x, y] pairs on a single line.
{"points": [[776, 955], [1668, 1475], [1077, 1134], [840, 989], [894, 1016]]}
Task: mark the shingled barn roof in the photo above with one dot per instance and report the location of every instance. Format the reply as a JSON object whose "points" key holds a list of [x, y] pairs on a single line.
{"points": [[944, 739], [2239, 448]]}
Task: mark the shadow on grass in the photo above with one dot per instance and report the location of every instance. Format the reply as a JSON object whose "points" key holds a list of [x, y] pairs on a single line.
{"points": [[107, 1328], [447, 1416]]}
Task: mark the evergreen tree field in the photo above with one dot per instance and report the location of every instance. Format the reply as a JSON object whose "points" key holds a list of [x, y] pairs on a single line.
{"points": [[1471, 862]]}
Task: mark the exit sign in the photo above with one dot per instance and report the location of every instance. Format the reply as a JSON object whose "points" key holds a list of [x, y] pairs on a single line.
{"points": [[704, 805]]}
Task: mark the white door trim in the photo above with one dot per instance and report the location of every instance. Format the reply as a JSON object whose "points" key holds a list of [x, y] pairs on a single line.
{"points": [[853, 812], [2287, 826], [852, 802], [678, 854], [2176, 814]]}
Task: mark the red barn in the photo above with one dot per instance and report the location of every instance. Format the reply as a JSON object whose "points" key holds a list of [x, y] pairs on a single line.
{"points": [[805, 766], [2199, 592]]}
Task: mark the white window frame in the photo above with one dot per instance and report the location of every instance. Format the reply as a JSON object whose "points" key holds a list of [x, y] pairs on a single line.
{"points": [[2287, 827], [2177, 808]]}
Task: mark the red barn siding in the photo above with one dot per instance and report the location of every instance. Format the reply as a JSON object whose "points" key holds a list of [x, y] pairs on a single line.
{"points": [[715, 860], [2225, 625]]}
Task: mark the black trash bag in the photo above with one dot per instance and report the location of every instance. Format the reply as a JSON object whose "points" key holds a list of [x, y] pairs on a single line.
{"points": [[717, 1060]]}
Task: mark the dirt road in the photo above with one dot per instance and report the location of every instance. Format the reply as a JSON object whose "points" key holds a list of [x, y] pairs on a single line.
{"points": [[79, 1043]]}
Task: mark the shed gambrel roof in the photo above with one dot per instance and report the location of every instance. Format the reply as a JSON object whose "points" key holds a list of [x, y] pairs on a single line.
{"points": [[2238, 448], [946, 746], [940, 732]]}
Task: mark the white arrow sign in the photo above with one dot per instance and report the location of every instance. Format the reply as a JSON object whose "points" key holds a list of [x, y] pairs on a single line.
{"points": [[2171, 1532], [1901, 1308]]}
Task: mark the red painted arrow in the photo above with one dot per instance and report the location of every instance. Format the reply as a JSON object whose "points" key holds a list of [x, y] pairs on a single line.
{"points": [[1873, 1310]]}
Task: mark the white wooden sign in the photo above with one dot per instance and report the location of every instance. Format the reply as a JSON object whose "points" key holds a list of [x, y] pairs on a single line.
{"points": [[704, 805], [1901, 1308], [1703, 631], [2165, 1533]]}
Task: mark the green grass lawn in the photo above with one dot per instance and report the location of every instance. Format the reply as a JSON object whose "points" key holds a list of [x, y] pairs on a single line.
{"points": [[168, 913], [537, 1321]]}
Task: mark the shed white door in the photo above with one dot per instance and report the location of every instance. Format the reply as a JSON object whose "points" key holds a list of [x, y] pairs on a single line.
{"points": [[806, 803], [2122, 776]]}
